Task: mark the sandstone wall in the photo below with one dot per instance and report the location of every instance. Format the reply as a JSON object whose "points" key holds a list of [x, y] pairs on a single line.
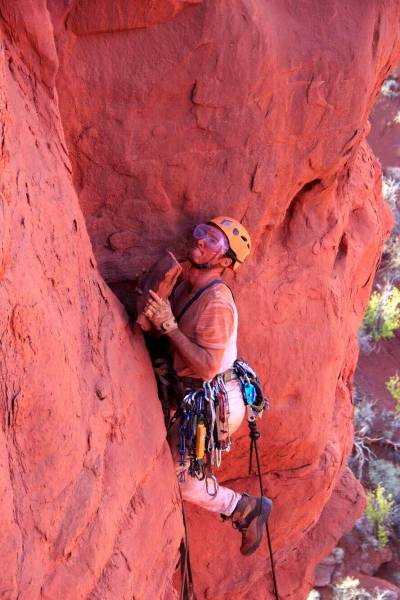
{"points": [[173, 112], [78, 469]]}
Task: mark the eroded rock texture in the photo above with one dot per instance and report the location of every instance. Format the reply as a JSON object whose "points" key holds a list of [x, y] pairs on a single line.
{"points": [[78, 468], [174, 111]]}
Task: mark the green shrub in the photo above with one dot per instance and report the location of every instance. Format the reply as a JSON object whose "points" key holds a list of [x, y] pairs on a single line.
{"points": [[379, 510], [313, 595], [349, 589], [382, 317], [393, 386], [387, 474], [391, 253], [391, 263], [364, 412], [391, 190], [390, 87], [392, 424]]}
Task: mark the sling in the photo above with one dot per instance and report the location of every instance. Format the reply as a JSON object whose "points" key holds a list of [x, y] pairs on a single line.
{"points": [[197, 296]]}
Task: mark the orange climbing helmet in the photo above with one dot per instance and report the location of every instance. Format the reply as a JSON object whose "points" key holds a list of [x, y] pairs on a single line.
{"points": [[238, 237]]}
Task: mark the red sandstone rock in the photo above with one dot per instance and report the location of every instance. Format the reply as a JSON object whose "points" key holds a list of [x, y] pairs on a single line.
{"points": [[122, 16], [171, 114], [324, 571], [79, 471], [360, 556]]}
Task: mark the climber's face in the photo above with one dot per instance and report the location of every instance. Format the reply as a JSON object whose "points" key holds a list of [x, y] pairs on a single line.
{"points": [[209, 244]]}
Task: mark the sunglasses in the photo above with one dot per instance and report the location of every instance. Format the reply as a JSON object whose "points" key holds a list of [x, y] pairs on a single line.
{"points": [[213, 238]]}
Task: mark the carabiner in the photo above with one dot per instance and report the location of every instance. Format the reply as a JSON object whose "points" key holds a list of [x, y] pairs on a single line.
{"points": [[249, 392], [215, 483]]}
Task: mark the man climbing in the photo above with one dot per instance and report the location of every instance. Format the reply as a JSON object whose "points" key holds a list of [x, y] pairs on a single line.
{"points": [[201, 325]]}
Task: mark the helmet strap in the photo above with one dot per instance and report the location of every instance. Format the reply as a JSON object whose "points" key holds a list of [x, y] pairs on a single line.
{"points": [[205, 266]]}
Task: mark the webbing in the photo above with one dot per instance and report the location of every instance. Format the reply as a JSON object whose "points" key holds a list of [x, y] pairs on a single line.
{"points": [[197, 296]]}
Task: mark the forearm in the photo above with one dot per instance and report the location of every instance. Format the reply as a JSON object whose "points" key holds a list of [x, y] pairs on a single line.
{"points": [[204, 362]]}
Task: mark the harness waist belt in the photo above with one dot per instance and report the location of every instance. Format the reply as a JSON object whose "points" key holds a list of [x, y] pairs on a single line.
{"points": [[192, 382]]}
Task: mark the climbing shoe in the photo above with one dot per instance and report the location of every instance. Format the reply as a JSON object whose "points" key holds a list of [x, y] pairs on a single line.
{"points": [[249, 517]]}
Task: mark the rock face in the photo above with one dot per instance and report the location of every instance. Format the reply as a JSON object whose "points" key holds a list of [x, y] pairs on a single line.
{"points": [[174, 111], [78, 468]]}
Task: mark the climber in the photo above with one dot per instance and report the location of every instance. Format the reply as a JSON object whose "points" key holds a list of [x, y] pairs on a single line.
{"points": [[201, 326]]}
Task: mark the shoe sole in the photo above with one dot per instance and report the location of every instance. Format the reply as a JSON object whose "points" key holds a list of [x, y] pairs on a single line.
{"points": [[258, 524]]}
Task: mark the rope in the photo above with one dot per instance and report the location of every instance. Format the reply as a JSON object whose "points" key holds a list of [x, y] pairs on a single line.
{"points": [[187, 589], [254, 436]]}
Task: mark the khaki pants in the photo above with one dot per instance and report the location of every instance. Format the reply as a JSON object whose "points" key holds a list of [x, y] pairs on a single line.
{"points": [[192, 489]]}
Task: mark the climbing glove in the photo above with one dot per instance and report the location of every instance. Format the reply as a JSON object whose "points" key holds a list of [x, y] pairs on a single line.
{"points": [[159, 312]]}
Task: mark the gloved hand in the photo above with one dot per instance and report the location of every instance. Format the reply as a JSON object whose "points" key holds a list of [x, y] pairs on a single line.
{"points": [[159, 312]]}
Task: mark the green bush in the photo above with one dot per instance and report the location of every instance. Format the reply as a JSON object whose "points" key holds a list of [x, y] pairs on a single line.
{"points": [[393, 386], [349, 589], [392, 424], [387, 474], [382, 317], [391, 263], [391, 190], [390, 87], [313, 595], [391, 253], [379, 510], [364, 412]]}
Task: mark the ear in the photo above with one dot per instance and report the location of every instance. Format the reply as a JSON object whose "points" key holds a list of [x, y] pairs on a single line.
{"points": [[225, 262]]}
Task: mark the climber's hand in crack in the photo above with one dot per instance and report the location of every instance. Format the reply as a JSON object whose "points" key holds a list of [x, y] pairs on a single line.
{"points": [[159, 312]]}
